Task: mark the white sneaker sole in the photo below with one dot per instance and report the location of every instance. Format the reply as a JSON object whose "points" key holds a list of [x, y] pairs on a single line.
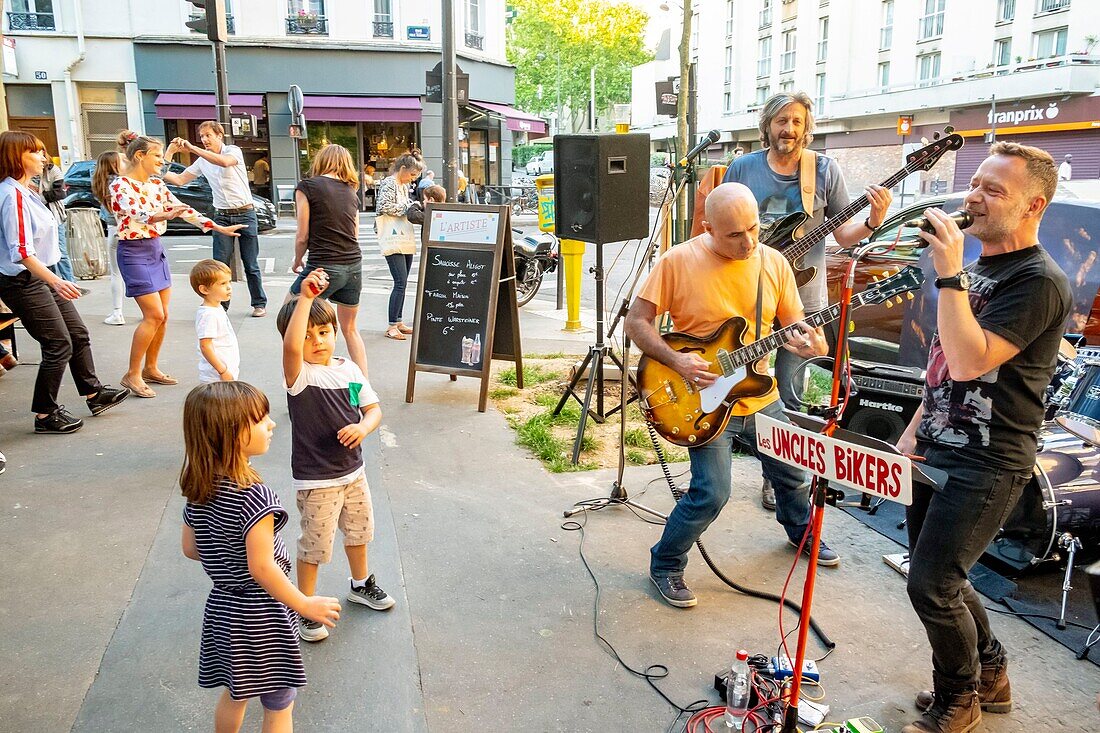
{"points": [[383, 606]]}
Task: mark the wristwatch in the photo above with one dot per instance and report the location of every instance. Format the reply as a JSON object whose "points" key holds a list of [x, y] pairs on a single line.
{"points": [[960, 281]]}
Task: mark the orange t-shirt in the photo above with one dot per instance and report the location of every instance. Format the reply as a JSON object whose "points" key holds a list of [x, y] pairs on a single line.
{"points": [[701, 291]]}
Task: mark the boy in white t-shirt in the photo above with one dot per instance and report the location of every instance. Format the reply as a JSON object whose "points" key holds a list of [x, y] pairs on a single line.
{"points": [[219, 354]]}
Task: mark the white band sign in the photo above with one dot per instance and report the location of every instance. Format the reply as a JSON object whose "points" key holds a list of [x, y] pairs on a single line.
{"points": [[875, 472]]}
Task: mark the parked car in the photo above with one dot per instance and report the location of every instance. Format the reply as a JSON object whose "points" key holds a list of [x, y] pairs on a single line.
{"points": [[196, 194], [1070, 232], [541, 163]]}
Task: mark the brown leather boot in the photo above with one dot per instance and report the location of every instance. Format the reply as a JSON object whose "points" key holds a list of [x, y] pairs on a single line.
{"points": [[994, 691], [960, 713]]}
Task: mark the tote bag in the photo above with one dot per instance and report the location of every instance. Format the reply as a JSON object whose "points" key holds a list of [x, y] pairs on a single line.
{"points": [[395, 234]]}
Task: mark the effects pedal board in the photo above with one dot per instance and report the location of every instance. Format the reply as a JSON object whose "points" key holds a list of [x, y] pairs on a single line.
{"points": [[856, 725], [784, 669]]}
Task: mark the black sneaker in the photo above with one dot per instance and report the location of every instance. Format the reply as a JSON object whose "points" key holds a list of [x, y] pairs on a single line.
{"points": [[106, 398], [767, 495], [826, 556], [58, 422], [3, 463], [371, 595], [311, 630], [674, 590]]}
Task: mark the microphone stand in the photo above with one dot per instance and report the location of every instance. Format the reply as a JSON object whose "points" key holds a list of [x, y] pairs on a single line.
{"points": [[819, 486], [618, 493]]}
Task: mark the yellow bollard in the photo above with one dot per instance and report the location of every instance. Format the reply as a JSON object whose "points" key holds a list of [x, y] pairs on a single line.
{"points": [[572, 253]]}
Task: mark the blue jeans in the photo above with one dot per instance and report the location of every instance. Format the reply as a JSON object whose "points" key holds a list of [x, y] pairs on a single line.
{"points": [[63, 269], [710, 490], [400, 265], [249, 242], [948, 532]]}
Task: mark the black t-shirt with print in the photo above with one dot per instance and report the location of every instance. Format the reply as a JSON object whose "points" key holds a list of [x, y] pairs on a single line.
{"points": [[1024, 297], [333, 221]]}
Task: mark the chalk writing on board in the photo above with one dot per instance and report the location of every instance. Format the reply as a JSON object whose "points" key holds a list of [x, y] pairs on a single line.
{"points": [[466, 227], [457, 289]]}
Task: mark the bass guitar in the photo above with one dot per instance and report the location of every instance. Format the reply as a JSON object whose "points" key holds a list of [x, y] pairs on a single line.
{"points": [[780, 233], [685, 414]]}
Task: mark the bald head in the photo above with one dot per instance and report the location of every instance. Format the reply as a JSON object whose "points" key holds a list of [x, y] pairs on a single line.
{"points": [[732, 219]]}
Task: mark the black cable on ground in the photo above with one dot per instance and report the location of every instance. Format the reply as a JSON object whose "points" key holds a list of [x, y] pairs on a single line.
{"points": [[787, 602], [654, 671]]}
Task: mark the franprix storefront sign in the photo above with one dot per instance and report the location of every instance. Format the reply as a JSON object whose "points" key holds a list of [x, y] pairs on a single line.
{"points": [[1029, 115]]}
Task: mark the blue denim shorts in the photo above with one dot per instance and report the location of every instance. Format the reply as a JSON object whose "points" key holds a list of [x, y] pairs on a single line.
{"points": [[345, 282]]}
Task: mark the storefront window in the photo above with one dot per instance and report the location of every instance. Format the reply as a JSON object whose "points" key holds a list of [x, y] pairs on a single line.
{"points": [[254, 150]]}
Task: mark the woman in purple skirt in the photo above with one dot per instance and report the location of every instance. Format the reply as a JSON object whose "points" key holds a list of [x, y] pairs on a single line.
{"points": [[142, 205]]}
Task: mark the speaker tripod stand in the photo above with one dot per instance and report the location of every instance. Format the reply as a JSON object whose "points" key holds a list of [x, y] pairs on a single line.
{"points": [[618, 495]]}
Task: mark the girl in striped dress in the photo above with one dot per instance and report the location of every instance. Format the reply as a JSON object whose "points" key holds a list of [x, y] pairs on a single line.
{"points": [[231, 525]]}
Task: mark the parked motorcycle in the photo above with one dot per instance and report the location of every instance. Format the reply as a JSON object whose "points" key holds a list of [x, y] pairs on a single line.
{"points": [[535, 254]]}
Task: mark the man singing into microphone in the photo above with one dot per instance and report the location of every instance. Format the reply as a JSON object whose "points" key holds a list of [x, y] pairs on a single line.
{"points": [[773, 174], [999, 322]]}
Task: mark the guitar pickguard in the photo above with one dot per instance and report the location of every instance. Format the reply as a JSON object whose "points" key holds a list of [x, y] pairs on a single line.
{"points": [[711, 398]]}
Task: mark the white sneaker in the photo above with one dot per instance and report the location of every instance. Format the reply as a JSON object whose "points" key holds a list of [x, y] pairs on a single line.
{"points": [[311, 630], [115, 319]]}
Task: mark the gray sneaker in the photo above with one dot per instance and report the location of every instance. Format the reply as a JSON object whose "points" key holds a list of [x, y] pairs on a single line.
{"points": [[311, 630], [826, 556], [370, 595], [767, 495], [673, 589]]}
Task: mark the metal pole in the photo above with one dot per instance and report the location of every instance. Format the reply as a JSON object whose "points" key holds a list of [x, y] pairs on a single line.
{"points": [[221, 79], [592, 99], [683, 140], [450, 104], [692, 135]]}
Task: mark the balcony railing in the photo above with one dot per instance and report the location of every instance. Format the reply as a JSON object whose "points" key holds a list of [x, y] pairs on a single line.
{"points": [[475, 40], [303, 25], [31, 22], [383, 29], [1049, 6], [229, 24]]}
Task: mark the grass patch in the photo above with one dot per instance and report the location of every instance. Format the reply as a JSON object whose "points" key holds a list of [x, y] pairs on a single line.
{"points": [[500, 393], [533, 375], [637, 457], [637, 438]]}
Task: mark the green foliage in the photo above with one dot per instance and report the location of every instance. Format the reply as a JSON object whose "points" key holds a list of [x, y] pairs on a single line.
{"points": [[533, 374], [637, 457], [555, 44], [535, 434], [637, 437], [522, 154], [500, 393]]}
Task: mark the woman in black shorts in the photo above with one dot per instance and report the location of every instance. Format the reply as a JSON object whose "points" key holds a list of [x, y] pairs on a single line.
{"points": [[328, 230]]}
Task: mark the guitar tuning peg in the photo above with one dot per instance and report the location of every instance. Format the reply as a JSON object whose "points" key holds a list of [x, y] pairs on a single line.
{"points": [[852, 327], [924, 141], [874, 278], [899, 301], [889, 303], [935, 136], [910, 296], [948, 130]]}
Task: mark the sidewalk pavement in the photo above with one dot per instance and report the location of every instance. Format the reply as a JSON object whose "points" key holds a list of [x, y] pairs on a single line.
{"points": [[493, 624]]}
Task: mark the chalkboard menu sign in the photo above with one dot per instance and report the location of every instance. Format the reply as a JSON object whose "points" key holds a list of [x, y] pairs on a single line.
{"points": [[466, 310]]}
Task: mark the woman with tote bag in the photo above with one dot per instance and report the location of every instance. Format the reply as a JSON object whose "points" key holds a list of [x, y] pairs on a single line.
{"points": [[397, 236]]}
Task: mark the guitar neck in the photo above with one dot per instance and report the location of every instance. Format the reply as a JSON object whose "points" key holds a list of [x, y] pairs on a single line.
{"points": [[801, 246], [730, 361]]}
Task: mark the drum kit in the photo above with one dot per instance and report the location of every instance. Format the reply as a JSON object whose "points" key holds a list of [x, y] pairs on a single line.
{"points": [[1059, 511]]}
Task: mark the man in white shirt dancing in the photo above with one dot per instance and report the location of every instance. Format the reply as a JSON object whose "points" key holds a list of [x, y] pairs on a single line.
{"points": [[223, 167]]}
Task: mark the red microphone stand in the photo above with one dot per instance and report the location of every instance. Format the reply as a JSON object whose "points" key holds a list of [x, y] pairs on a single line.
{"points": [[818, 489]]}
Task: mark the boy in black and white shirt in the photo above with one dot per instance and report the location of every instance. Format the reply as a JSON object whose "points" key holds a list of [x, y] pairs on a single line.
{"points": [[332, 409]]}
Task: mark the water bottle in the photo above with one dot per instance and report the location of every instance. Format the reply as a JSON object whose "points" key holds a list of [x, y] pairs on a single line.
{"points": [[737, 692]]}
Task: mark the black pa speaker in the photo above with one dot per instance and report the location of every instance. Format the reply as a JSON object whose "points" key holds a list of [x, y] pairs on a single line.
{"points": [[887, 399], [601, 187]]}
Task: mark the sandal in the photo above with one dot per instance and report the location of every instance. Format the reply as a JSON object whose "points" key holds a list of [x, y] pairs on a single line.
{"points": [[162, 379], [404, 329], [393, 332], [144, 391]]}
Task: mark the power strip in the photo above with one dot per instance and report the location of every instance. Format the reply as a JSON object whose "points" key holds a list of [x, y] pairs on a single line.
{"points": [[784, 669]]}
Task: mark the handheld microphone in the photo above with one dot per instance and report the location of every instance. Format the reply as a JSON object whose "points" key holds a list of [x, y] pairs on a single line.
{"points": [[962, 218], [706, 142]]}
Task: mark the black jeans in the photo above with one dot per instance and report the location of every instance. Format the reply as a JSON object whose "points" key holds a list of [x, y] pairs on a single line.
{"points": [[249, 243], [400, 265], [55, 324], [948, 532]]}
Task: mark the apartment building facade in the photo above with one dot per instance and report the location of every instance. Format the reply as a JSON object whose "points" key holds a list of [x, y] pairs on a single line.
{"points": [[360, 63], [1026, 69]]}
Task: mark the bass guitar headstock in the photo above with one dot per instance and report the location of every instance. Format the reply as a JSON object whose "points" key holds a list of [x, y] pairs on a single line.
{"points": [[929, 155]]}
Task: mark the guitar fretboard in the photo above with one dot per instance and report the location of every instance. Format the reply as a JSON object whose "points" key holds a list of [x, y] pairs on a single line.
{"points": [[801, 246], [730, 361]]}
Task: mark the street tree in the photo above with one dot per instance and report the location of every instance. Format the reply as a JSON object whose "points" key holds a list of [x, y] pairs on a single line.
{"points": [[554, 46]]}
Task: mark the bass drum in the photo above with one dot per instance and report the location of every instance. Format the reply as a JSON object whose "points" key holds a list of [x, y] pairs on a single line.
{"points": [[1063, 496]]}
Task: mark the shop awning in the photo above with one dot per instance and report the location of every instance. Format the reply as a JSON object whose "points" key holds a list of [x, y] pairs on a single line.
{"points": [[181, 106], [516, 120], [362, 109]]}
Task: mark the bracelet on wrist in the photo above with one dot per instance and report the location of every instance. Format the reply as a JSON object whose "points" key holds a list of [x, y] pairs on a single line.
{"points": [[867, 223]]}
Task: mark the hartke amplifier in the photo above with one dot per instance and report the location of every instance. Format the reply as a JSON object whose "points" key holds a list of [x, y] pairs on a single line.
{"points": [[887, 398], [601, 187]]}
